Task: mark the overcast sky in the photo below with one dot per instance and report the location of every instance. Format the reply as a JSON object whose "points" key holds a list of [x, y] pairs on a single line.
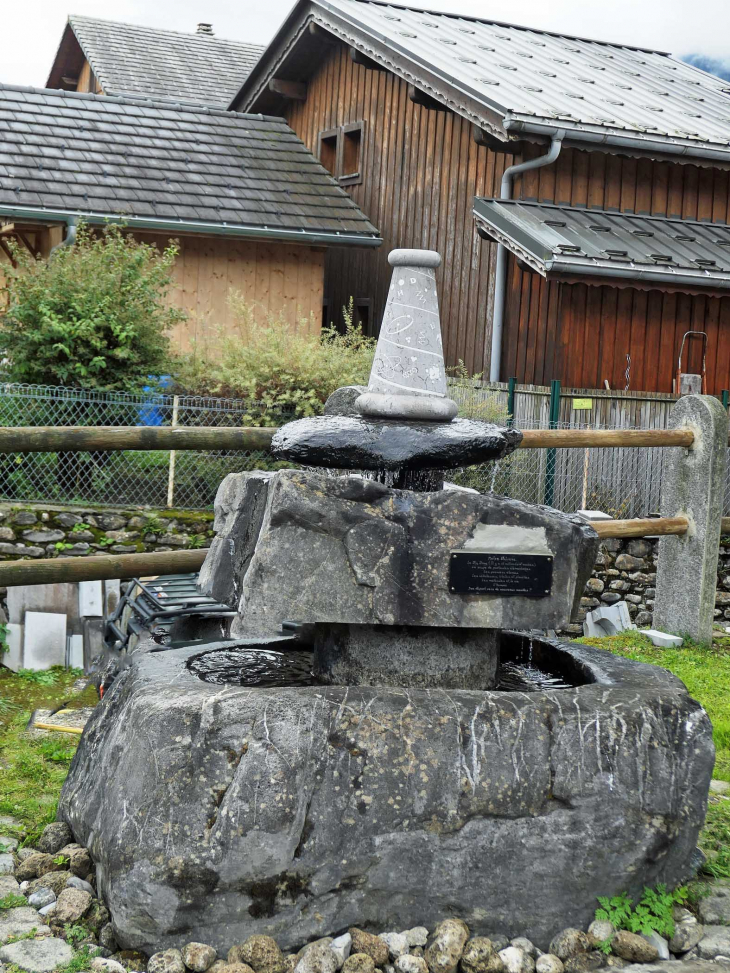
{"points": [[30, 30]]}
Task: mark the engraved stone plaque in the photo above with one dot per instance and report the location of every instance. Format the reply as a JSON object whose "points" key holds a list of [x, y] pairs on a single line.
{"points": [[500, 573]]}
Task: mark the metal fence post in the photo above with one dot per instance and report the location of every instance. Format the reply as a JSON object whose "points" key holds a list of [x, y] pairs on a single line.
{"points": [[551, 457], [725, 398], [693, 486], [171, 473], [511, 383]]}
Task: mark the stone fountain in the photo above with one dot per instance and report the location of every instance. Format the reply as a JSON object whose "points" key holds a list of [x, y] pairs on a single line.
{"points": [[380, 766]]}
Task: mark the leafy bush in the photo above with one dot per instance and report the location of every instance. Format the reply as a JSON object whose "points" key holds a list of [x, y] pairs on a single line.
{"points": [[286, 369], [652, 913], [93, 316]]}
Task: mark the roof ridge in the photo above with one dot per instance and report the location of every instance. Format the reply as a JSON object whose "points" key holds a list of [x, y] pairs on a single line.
{"points": [[151, 102], [188, 35], [503, 23]]}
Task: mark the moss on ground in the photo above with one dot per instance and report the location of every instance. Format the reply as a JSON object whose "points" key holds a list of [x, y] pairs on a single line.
{"points": [[33, 768]]}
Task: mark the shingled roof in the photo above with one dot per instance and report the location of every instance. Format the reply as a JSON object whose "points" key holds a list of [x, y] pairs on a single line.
{"points": [[512, 80], [167, 166], [166, 64]]}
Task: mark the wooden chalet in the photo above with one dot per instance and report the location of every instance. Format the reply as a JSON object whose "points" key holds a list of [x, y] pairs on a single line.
{"points": [[251, 208], [612, 247]]}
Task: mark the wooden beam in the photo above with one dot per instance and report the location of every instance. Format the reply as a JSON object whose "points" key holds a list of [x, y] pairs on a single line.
{"points": [[7, 228], [293, 90], [419, 97], [33, 251], [8, 253], [364, 61], [50, 439], [646, 527], [102, 567], [586, 438], [490, 141]]}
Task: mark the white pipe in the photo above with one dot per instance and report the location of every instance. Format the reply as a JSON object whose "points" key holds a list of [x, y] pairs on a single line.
{"points": [[500, 283]]}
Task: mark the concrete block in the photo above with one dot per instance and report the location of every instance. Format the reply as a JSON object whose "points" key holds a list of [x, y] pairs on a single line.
{"points": [[62, 599], [111, 595], [608, 620], [693, 486], [663, 640], [76, 651], [91, 604], [44, 644], [93, 637], [14, 637]]}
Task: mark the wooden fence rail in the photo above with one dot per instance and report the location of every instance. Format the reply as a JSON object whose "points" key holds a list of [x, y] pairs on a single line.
{"points": [[51, 439]]}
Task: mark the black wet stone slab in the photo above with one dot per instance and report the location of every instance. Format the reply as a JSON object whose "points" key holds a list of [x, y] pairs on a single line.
{"points": [[348, 442]]}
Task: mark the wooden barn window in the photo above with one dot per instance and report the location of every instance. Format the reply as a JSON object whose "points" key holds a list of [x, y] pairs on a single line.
{"points": [[329, 145], [352, 143], [363, 313], [340, 152]]}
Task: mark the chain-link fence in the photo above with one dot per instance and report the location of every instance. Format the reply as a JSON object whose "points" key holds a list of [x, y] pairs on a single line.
{"points": [[158, 479], [624, 482]]}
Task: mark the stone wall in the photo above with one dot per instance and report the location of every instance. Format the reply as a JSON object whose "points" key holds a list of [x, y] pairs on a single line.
{"points": [[48, 531], [626, 571]]}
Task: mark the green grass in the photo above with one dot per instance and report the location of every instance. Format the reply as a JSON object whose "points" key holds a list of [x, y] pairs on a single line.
{"points": [[704, 670], [33, 769]]}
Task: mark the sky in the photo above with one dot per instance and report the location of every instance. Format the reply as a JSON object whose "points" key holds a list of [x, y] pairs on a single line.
{"points": [[30, 31]]}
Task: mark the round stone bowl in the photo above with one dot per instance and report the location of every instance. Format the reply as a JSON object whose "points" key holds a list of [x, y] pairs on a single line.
{"points": [[218, 811]]}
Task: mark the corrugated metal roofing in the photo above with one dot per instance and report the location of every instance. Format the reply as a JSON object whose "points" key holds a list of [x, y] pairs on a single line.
{"points": [[534, 76], [94, 154], [131, 60], [564, 240]]}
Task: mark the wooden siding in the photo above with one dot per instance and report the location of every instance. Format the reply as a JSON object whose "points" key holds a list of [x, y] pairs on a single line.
{"points": [[281, 279], [421, 170], [274, 278]]}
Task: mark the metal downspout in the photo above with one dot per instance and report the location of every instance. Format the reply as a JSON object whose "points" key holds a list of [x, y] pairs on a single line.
{"points": [[500, 283], [69, 239]]}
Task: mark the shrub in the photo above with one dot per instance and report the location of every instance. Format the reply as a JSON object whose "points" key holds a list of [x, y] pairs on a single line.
{"points": [[286, 369], [93, 316]]}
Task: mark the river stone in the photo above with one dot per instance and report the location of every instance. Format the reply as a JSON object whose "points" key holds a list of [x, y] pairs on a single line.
{"points": [[633, 948], [290, 802], [74, 882], [8, 885], [314, 548], [411, 964], [418, 936], [525, 945], [447, 945], [687, 933], [55, 836], [166, 961], [397, 943], [35, 865], [599, 931], [479, 956], [715, 942], [198, 957], [261, 953], [37, 955], [353, 443], [373, 946], [7, 863], [103, 965], [318, 958], [516, 960], [41, 898], [19, 922], [341, 947], [569, 943], [547, 963], [585, 962], [55, 881], [342, 401], [715, 909], [71, 905], [359, 963]]}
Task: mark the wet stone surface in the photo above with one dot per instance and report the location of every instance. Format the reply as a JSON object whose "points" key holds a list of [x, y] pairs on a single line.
{"points": [[348, 442]]}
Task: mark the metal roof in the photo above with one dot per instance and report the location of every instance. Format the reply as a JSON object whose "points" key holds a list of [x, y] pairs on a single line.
{"points": [[513, 79], [99, 156], [572, 241], [128, 59]]}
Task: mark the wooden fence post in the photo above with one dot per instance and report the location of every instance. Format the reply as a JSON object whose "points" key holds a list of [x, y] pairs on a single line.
{"points": [[693, 486]]}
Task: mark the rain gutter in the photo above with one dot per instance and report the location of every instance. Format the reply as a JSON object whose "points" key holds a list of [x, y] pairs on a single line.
{"points": [[313, 238], [635, 273], [693, 150], [70, 237], [500, 285]]}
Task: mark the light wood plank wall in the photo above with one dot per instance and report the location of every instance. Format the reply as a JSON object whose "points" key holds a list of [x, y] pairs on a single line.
{"points": [[277, 279]]}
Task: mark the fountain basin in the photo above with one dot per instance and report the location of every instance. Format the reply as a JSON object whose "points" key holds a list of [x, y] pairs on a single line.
{"points": [[217, 811]]}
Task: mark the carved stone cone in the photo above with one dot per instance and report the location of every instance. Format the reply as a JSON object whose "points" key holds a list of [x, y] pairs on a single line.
{"points": [[408, 378]]}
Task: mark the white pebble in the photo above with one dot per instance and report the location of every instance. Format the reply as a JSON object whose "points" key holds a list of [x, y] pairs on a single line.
{"points": [[341, 947], [418, 936], [396, 942]]}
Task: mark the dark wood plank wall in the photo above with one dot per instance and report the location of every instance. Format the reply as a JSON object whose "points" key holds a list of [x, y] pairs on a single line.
{"points": [[582, 334], [421, 171]]}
